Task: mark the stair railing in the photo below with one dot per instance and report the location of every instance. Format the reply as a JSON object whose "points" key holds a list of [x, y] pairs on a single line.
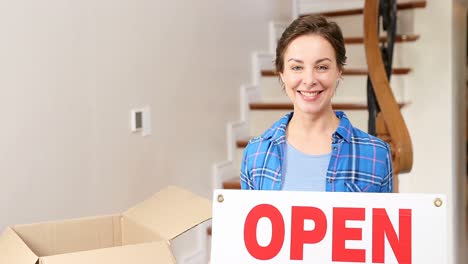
{"points": [[385, 118]]}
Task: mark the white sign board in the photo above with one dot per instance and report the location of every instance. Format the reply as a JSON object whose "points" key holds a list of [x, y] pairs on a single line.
{"points": [[321, 227]]}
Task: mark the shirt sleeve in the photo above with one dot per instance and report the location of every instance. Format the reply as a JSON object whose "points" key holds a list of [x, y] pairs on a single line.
{"points": [[245, 177], [387, 181]]}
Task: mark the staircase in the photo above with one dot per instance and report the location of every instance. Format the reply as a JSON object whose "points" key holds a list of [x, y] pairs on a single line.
{"points": [[263, 102]]}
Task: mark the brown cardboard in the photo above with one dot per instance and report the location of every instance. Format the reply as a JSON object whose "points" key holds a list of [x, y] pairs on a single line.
{"points": [[14, 250], [61, 237], [142, 234], [156, 252], [170, 215]]}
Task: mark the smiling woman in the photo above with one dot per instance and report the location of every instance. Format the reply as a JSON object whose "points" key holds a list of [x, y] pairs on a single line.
{"points": [[310, 76], [315, 148]]}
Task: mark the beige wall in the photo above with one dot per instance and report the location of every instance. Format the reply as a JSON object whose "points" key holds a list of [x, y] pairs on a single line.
{"points": [[435, 116], [72, 70], [459, 138]]}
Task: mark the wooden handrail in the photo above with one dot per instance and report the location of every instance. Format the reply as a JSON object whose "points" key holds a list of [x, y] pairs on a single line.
{"points": [[390, 120]]}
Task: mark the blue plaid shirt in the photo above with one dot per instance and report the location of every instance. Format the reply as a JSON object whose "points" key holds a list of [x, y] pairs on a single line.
{"points": [[359, 162]]}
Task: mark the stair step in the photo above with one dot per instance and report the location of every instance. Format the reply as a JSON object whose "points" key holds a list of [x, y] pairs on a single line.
{"points": [[358, 11], [398, 38], [269, 73], [289, 106], [233, 183], [242, 143]]}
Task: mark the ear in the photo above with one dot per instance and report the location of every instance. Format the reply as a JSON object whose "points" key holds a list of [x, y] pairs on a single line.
{"points": [[340, 75], [338, 81], [281, 77]]}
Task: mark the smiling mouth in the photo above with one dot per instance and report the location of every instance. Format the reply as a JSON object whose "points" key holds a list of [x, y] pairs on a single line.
{"points": [[309, 93]]}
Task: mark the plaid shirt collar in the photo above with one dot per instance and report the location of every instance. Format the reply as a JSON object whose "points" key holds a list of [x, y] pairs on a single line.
{"points": [[277, 133]]}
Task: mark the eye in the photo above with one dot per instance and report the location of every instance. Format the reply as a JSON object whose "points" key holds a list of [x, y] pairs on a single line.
{"points": [[322, 68], [296, 68]]}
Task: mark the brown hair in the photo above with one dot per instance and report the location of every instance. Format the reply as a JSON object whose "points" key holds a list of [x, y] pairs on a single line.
{"points": [[312, 24]]}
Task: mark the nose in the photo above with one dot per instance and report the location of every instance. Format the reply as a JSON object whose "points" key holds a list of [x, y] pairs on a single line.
{"points": [[308, 78]]}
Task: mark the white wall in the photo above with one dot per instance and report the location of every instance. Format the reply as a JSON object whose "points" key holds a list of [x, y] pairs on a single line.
{"points": [[72, 70]]}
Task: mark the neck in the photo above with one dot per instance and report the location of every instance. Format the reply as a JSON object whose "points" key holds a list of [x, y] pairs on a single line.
{"points": [[310, 125]]}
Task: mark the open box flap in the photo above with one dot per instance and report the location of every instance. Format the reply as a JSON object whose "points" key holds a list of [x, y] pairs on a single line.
{"points": [[13, 250], [149, 253], [71, 235], [134, 233], [171, 212]]}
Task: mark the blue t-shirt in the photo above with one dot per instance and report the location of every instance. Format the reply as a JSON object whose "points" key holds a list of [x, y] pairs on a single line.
{"points": [[304, 172]]}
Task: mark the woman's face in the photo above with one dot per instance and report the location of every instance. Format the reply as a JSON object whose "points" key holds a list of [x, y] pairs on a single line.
{"points": [[310, 74]]}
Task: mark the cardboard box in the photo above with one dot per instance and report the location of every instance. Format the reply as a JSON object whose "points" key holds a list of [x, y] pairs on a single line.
{"points": [[140, 235]]}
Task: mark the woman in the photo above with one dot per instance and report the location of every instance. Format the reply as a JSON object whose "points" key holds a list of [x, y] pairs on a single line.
{"points": [[315, 148]]}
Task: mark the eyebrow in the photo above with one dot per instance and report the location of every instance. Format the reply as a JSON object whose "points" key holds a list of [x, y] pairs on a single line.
{"points": [[317, 61]]}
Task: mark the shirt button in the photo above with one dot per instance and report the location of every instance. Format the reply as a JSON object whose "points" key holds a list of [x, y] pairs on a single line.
{"points": [[334, 148], [329, 180]]}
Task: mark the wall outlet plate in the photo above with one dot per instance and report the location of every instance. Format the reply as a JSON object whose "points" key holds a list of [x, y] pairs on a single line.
{"points": [[140, 121]]}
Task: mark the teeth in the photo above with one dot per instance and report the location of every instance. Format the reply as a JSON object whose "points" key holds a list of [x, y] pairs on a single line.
{"points": [[309, 93]]}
